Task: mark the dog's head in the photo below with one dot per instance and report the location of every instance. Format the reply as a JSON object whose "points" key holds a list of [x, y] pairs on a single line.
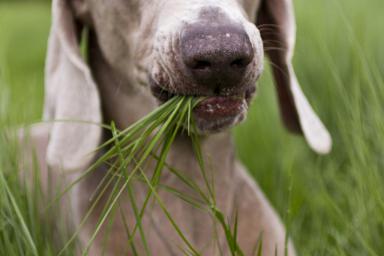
{"points": [[209, 48]]}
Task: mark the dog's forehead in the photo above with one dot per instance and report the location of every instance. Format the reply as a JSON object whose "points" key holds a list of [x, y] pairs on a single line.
{"points": [[231, 6], [173, 15], [173, 12], [192, 10]]}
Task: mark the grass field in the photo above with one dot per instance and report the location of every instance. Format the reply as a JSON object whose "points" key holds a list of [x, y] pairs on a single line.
{"points": [[332, 205]]}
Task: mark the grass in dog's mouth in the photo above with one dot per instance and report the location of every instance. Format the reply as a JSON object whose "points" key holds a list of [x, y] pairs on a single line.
{"points": [[163, 95], [127, 154]]}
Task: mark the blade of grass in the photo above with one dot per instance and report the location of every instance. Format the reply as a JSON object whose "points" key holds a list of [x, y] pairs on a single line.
{"points": [[20, 217], [130, 194]]}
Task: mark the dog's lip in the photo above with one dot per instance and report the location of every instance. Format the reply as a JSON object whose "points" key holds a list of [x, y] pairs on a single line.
{"points": [[216, 107], [164, 95], [215, 112]]}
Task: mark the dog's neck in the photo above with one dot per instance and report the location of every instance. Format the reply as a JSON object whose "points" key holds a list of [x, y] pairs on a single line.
{"points": [[125, 103]]}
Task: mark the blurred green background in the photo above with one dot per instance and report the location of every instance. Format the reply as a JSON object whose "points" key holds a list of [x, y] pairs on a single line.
{"points": [[332, 205]]}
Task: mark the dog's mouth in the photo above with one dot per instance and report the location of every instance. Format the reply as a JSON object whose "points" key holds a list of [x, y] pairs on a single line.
{"points": [[214, 113], [217, 113]]}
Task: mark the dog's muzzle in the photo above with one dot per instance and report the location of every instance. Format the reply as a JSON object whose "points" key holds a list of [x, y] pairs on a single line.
{"points": [[217, 61]]}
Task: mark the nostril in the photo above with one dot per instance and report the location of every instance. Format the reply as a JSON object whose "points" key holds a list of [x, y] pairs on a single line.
{"points": [[240, 63], [201, 65], [217, 90]]}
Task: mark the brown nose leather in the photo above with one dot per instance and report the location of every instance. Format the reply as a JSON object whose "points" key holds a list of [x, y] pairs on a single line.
{"points": [[216, 55]]}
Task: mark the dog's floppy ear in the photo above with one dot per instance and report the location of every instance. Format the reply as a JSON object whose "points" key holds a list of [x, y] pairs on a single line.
{"points": [[275, 20], [71, 96]]}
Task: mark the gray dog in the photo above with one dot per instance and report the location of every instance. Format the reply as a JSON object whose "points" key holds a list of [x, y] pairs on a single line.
{"points": [[142, 52]]}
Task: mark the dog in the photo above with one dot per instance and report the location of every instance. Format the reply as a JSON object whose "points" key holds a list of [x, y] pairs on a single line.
{"points": [[142, 53]]}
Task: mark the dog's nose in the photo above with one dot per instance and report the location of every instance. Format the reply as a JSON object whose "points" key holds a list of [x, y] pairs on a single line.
{"points": [[216, 56]]}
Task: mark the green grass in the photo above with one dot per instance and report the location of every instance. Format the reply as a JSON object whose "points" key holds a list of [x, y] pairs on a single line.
{"points": [[128, 153], [332, 205]]}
